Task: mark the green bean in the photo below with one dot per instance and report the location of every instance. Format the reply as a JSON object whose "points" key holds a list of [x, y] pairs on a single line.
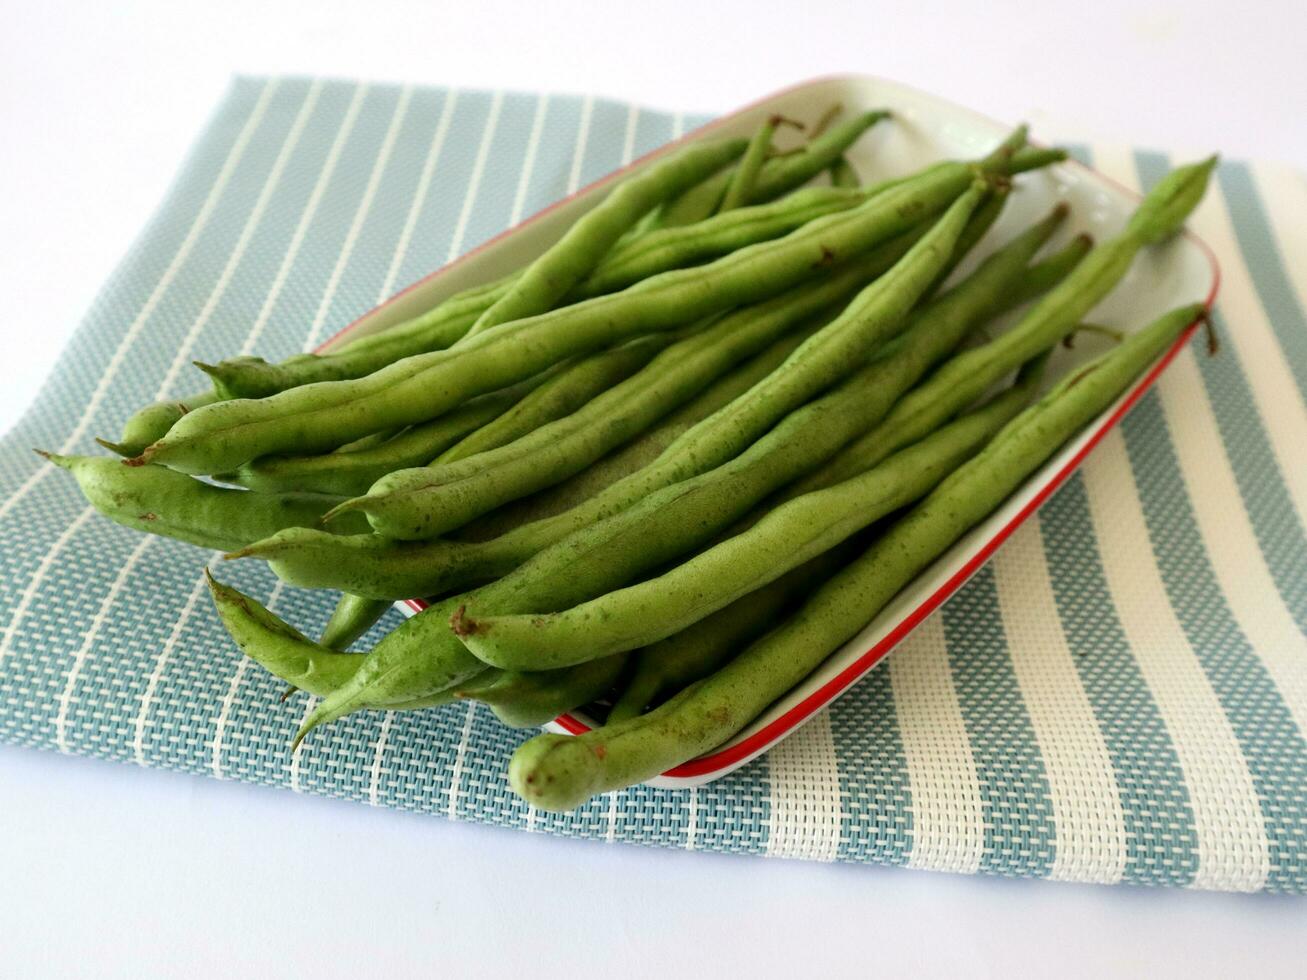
{"points": [[643, 450], [583, 246], [218, 438], [160, 501], [152, 423], [823, 123], [369, 441], [372, 566], [778, 175], [352, 617], [437, 329], [525, 700], [739, 188], [963, 379], [983, 219], [284, 651], [353, 472], [424, 503], [559, 773], [575, 385], [669, 665], [786, 537], [1044, 275], [684, 245], [418, 659], [842, 174]]}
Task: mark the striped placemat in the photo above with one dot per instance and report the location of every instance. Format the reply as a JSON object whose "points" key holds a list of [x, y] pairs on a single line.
{"points": [[1120, 695]]}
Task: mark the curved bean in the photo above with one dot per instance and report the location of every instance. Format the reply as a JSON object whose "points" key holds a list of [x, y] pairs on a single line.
{"points": [[284, 651], [739, 188], [842, 174], [160, 501], [352, 617], [526, 700], [152, 423], [559, 773]]}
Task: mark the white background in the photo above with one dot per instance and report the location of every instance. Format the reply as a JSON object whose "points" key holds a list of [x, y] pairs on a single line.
{"points": [[113, 871]]}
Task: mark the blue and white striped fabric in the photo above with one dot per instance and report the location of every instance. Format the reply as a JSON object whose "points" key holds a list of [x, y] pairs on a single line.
{"points": [[1120, 695]]}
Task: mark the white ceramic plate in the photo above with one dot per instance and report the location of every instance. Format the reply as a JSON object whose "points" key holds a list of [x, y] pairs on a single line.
{"points": [[924, 129]]}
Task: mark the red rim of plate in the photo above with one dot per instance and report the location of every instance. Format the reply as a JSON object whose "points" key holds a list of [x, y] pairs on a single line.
{"points": [[760, 740]]}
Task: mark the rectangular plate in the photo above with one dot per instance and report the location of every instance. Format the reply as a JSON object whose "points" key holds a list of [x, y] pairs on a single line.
{"points": [[924, 129]]}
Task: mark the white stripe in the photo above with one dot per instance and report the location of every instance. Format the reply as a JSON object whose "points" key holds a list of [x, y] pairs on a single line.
{"points": [[628, 141], [220, 724], [582, 138], [65, 697], [374, 781], [1232, 847], [229, 699], [306, 218], [420, 194], [804, 794], [529, 159], [692, 818], [1284, 199], [42, 569], [474, 182], [1091, 837], [1228, 536], [360, 214], [610, 835], [948, 816], [678, 125], [270, 185], [152, 301], [297, 756], [456, 771], [160, 662]]}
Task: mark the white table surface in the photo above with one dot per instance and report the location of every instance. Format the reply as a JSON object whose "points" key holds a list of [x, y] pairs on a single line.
{"points": [[107, 870]]}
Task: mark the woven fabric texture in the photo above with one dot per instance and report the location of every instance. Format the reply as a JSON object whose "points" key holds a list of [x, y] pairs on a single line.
{"points": [[1120, 695]]}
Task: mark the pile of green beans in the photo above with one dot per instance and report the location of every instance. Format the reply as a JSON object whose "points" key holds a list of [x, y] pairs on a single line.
{"points": [[668, 466]]}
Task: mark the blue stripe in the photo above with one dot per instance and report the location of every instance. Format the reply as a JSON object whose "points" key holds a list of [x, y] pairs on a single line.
{"points": [[1266, 267], [1268, 738], [1020, 836], [873, 766], [1161, 839]]}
